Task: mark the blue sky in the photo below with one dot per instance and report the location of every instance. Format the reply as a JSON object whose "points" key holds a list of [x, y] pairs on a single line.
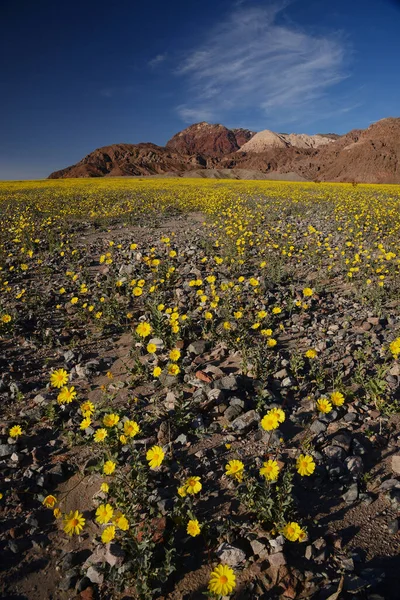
{"points": [[78, 75]]}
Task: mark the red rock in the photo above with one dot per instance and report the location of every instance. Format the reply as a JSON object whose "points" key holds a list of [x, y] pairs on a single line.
{"points": [[130, 159], [209, 140], [87, 594], [203, 376]]}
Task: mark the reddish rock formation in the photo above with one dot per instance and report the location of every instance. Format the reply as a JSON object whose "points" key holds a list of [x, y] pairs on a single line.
{"points": [[130, 159], [204, 138], [242, 135], [371, 155]]}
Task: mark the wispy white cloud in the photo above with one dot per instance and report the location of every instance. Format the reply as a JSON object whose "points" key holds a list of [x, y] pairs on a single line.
{"points": [[195, 114], [157, 60], [252, 62]]}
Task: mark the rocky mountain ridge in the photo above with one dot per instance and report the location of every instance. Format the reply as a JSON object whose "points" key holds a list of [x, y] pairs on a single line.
{"points": [[371, 155]]}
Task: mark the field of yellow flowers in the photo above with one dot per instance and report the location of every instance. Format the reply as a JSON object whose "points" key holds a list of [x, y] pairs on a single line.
{"points": [[199, 390]]}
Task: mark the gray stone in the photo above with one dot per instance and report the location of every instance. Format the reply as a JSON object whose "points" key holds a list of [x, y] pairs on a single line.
{"points": [[319, 543], [215, 395], [94, 575], [352, 494], [93, 367], [69, 356], [392, 381], [329, 417], [198, 347], [14, 390], [82, 371], [277, 543], [277, 559], [335, 453], [288, 382], [350, 417], [258, 548], [318, 427], [111, 553], [39, 399], [308, 552], [281, 374], [354, 465], [245, 422], [389, 485], [232, 412], [343, 440], [230, 555], [5, 450], [126, 269], [396, 464], [181, 439], [236, 402], [114, 554], [348, 564], [365, 498], [13, 546], [395, 370], [40, 480], [69, 580], [272, 438], [229, 382]]}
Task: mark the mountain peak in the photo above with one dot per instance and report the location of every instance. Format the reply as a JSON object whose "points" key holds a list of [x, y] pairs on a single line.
{"points": [[210, 139]]}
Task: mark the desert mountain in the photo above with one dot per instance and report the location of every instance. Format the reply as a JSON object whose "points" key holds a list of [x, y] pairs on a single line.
{"points": [[130, 159], [266, 139], [371, 155], [210, 140]]}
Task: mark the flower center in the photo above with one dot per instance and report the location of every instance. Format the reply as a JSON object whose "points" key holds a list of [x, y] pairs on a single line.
{"points": [[74, 522], [223, 579]]}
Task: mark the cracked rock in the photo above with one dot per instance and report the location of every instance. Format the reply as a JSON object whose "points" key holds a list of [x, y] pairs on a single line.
{"points": [[245, 422], [352, 494], [230, 555]]}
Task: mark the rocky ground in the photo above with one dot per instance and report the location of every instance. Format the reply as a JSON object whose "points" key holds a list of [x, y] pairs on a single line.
{"points": [[204, 416]]}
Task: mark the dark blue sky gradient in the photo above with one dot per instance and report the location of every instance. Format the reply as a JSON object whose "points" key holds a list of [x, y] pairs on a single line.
{"points": [[78, 75]]}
